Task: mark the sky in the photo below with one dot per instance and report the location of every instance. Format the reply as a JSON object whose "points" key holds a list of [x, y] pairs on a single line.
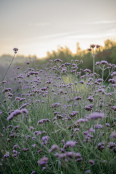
{"points": [[38, 26]]}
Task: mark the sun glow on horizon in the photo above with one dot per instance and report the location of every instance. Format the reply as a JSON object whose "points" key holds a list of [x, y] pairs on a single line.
{"points": [[38, 27]]}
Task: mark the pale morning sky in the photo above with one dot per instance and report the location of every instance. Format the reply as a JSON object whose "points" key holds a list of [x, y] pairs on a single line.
{"points": [[38, 26]]}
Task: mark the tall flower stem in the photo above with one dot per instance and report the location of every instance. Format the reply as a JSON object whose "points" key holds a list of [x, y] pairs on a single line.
{"points": [[8, 68], [93, 55], [103, 74]]}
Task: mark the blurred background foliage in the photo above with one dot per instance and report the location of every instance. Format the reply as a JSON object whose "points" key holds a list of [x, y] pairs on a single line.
{"points": [[106, 52]]}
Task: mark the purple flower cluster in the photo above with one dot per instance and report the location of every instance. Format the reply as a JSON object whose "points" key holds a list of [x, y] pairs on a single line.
{"points": [[17, 112]]}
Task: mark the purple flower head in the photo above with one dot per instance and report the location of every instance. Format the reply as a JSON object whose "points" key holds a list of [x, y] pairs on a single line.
{"points": [[97, 63], [14, 113], [92, 46], [15, 50], [54, 105], [28, 63], [7, 90], [98, 126], [104, 62], [60, 156], [43, 120], [17, 112], [82, 82], [87, 70], [100, 146], [89, 107], [113, 74], [107, 124], [43, 161], [32, 172], [31, 128], [97, 46], [114, 108], [81, 120], [88, 171], [54, 147], [24, 105], [111, 145], [58, 60], [100, 80], [27, 137], [74, 113], [91, 130], [15, 146], [91, 162], [37, 133], [96, 115], [34, 145], [25, 149], [45, 139], [78, 98], [113, 81], [70, 144], [25, 111], [89, 49], [6, 156], [113, 135], [90, 99]]}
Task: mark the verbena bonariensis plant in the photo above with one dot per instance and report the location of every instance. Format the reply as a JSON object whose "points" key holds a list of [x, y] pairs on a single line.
{"points": [[15, 52], [59, 121]]}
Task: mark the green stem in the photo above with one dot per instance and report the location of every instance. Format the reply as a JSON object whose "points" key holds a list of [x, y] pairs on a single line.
{"points": [[93, 64], [8, 69], [102, 75]]}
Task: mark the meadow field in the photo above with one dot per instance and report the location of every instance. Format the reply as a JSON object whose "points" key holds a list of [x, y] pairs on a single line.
{"points": [[58, 119]]}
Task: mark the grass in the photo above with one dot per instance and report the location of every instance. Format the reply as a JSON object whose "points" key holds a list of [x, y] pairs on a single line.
{"points": [[58, 121]]}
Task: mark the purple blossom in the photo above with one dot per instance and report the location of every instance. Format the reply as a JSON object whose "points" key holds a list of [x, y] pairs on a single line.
{"points": [[89, 107], [114, 108], [43, 161], [90, 99], [78, 98], [81, 120], [88, 171], [113, 135], [111, 145], [54, 147], [82, 82], [17, 112], [100, 146], [91, 162], [74, 113], [113, 74], [70, 144], [14, 113], [45, 139], [98, 126], [15, 146], [104, 62], [15, 50], [7, 90], [31, 128], [37, 133], [96, 115], [43, 120], [34, 145], [6, 155], [25, 149]]}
